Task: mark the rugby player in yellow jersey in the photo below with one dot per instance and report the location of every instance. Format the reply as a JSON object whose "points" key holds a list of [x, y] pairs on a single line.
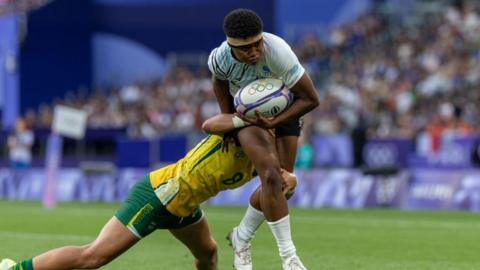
{"points": [[167, 198]]}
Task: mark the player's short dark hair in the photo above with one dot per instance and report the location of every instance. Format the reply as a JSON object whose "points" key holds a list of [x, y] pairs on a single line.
{"points": [[242, 23]]}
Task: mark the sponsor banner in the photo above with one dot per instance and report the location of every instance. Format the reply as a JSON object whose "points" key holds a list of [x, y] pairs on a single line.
{"points": [[336, 188], [455, 153], [72, 184], [333, 150], [452, 189], [343, 188], [467, 194], [387, 152], [319, 188], [388, 190], [431, 188]]}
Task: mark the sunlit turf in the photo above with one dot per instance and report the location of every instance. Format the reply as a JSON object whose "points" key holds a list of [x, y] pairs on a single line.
{"points": [[378, 239]]}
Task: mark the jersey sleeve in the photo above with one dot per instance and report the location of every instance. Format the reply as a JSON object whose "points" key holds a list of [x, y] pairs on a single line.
{"points": [[214, 65], [285, 63]]}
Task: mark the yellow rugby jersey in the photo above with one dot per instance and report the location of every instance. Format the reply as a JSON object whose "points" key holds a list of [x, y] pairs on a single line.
{"points": [[201, 174]]}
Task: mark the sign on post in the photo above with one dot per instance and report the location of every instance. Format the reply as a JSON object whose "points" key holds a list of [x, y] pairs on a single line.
{"points": [[67, 122]]}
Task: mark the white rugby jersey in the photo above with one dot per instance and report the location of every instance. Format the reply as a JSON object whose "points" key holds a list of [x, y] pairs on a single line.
{"points": [[278, 61]]}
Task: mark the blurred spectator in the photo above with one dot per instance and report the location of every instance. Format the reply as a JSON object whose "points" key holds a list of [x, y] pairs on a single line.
{"points": [[304, 153], [45, 116], [446, 126], [359, 139], [20, 145], [475, 157]]}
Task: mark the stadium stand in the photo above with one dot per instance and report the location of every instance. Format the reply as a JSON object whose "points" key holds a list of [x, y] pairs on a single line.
{"points": [[408, 77]]}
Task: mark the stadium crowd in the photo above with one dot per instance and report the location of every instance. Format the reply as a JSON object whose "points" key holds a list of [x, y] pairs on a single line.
{"points": [[401, 81], [180, 101], [395, 81]]}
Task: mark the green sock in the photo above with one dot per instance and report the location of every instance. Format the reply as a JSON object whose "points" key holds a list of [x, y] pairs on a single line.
{"points": [[24, 265]]}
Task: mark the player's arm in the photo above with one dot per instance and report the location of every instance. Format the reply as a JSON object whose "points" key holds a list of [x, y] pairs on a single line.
{"points": [[220, 83], [306, 99], [222, 123], [222, 93]]}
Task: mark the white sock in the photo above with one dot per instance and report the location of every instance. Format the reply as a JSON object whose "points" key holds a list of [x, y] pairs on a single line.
{"points": [[281, 232], [249, 225]]}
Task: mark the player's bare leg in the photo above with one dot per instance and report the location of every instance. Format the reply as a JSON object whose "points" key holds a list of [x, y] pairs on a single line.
{"points": [[199, 240], [251, 222], [287, 151], [113, 240], [254, 216], [260, 147], [241, 236], [253, 219]]}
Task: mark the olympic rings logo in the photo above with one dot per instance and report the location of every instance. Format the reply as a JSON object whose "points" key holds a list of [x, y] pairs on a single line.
{"points": [[259, 87]]}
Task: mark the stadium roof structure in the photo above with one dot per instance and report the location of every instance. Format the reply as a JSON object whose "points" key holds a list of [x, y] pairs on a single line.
{"points": [[20, 6]]}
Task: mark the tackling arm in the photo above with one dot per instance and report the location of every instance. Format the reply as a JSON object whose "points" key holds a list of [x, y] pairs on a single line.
{"points": [[222, 123]]}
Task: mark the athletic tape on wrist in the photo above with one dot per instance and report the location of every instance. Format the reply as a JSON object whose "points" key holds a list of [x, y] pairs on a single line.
{"points": [[238, 122]]}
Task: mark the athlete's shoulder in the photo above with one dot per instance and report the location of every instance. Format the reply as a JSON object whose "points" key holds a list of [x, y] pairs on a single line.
{"points": [[273, 38], [221, 52], [281, 59], [219, 60], [275, 45]]}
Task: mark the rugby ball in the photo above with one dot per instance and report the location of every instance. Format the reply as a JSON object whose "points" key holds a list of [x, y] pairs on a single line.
{"points": [[268, 95]]}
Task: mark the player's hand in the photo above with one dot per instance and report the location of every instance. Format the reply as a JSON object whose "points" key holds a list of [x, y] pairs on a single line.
{"points": [[229, 138], [260, 120], [289, 183]]}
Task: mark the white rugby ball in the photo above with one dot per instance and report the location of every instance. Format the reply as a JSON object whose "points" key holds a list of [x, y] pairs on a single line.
{"points": [[268, 95]]}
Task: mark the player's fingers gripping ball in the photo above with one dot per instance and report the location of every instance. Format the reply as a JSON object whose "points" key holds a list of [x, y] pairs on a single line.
{"points": [[268, 96]]}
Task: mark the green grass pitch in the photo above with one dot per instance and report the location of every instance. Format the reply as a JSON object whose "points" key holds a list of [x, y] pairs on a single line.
{"points": [[325, 238]]}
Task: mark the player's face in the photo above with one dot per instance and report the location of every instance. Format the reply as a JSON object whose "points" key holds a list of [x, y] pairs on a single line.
{"points": [[249, 53]]}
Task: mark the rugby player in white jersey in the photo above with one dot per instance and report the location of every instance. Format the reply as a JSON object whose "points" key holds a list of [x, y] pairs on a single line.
{"points": [[248, 54]]}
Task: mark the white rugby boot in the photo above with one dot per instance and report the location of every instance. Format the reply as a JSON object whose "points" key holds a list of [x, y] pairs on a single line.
{"points": [[7, 264], [242, 253], [293, 263]]}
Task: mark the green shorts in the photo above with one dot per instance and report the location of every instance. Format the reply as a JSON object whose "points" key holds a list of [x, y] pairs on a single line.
{"points": [[142, 212]]}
